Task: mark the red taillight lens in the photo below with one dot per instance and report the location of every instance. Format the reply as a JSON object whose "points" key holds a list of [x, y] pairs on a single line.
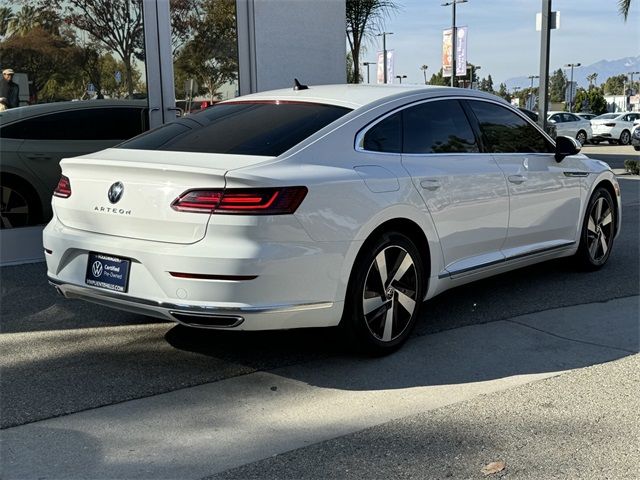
{"points": [[242, 201], [63, 189], [609, 124]]}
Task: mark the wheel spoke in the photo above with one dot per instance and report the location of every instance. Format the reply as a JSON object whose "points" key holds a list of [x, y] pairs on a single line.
{"points": [[371, 304], [593, 248], [388, 323], [381, 262], [407, 302], [603, 244], [598, 209], [607, 218], [591, 225], [402, 269]]}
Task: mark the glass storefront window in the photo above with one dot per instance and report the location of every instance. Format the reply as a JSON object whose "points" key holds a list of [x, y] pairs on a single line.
{"points": [[78, 67], [205, 52]]}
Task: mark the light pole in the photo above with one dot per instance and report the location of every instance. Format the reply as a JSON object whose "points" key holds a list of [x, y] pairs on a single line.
{"points": [[384, 53], [366, 64], [572, 65], [631, 74], [424, 72], [400, 77], [453, 36], [473, 68]]}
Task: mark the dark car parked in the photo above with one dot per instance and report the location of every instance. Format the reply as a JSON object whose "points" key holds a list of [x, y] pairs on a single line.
{"points": [[33, 140]]}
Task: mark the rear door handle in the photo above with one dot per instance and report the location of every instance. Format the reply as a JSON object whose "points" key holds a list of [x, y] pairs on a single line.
{"points": [[517, 179], [430, 184]]}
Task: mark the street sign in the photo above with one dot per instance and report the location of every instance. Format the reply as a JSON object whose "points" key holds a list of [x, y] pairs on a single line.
{"points": [[91, 88], [118, 76]]}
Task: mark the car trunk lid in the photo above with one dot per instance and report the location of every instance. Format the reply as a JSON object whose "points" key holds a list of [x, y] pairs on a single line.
{"points": [[150, 182]]}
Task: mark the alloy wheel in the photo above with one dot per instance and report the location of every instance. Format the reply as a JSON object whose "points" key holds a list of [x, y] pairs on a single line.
{"points": [[625, 138], [14, 208], [390, 293], [581, 137], [599, 229]]}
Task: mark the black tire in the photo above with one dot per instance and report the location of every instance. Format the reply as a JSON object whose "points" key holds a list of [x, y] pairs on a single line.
{"points": [[613, 142], [582, 137], [625, 137], [19, 206], [384, 294], [595, 142], [636, 148], [598, 231]]}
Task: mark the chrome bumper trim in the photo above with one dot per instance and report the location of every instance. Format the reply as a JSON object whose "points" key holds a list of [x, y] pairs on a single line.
{"points": [[106, 297]]}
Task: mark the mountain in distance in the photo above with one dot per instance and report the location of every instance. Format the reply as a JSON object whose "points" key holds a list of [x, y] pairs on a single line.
{"points": [[604, 69]]}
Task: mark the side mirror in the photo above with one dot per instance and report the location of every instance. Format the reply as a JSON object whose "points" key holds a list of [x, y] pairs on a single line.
{"points": [[551, 121], [565, 147]]}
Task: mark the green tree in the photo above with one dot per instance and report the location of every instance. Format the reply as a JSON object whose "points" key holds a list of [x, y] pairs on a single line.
{"points": [[557, 86], [486, 84], [6, 17], [438, 79], [503, 92], [615, 85], [39, 54], [363, 16], [350, 71], [591, 100], [115, 23], [211, 57], [592, 79]]}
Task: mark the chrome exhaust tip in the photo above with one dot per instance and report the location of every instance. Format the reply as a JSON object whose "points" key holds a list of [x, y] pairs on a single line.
{"points": [[206, 320]]}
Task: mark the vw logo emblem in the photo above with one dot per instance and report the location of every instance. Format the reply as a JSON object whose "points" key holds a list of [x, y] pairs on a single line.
{"points": [[96, 269], [115, 192]]}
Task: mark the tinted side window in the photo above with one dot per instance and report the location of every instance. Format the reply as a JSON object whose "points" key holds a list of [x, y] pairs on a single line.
{"points": [[506, 132], [437, 127], [242, 128], [85, 124], [385, 136]]}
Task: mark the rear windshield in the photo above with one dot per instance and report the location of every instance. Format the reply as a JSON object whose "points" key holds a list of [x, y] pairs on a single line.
{"points": [[242, 128]]}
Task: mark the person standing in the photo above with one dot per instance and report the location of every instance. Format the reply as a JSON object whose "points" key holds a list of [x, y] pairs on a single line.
{"points": [[9, 90]]}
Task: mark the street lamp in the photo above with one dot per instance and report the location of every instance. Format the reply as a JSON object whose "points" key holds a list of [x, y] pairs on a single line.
{"points": [[384, 53], [400, 77], [424, 71], [532, 77], [453, 36], [366, 64], [472, 69], [572, 65]]}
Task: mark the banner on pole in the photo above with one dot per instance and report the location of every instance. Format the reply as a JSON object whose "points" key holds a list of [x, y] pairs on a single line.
{"points": [[461, 51], [446, 52], [380, 69]]}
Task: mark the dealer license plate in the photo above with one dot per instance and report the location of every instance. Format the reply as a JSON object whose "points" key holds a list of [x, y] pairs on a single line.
{"points": [[107, 271]]}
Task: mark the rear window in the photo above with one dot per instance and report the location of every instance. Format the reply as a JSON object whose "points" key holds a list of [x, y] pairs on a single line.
{"points": [[242, 128]]}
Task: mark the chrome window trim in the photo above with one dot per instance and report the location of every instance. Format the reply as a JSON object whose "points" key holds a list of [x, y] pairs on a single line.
{"points": [[359, 139]]}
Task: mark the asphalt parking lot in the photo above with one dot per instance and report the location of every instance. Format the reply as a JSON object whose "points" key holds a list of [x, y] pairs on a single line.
{"points": [[92, 393]]}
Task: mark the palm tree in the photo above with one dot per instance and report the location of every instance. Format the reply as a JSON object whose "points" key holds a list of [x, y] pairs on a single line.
{"points": [[424, 72], [25, 20], [623, 8], [363, 16], [6, 16], [592, 79]]}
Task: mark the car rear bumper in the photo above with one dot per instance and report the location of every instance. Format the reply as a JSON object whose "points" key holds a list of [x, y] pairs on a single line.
{"points": [[242, 284]]}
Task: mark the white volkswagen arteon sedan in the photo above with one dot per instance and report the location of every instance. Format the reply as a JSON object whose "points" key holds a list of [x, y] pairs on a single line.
{"points": [[322, 206]]}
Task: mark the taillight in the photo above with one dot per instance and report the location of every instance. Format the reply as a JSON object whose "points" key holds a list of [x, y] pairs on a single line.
{"points": [[241, 201], [63, 189], [609, 124]]}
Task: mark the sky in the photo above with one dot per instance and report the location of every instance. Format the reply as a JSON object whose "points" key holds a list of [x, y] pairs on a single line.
{"points": [[502, 38]]}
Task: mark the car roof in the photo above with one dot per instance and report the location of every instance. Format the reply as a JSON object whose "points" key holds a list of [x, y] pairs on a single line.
{"points": [[27, 111], [358, 95]]}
